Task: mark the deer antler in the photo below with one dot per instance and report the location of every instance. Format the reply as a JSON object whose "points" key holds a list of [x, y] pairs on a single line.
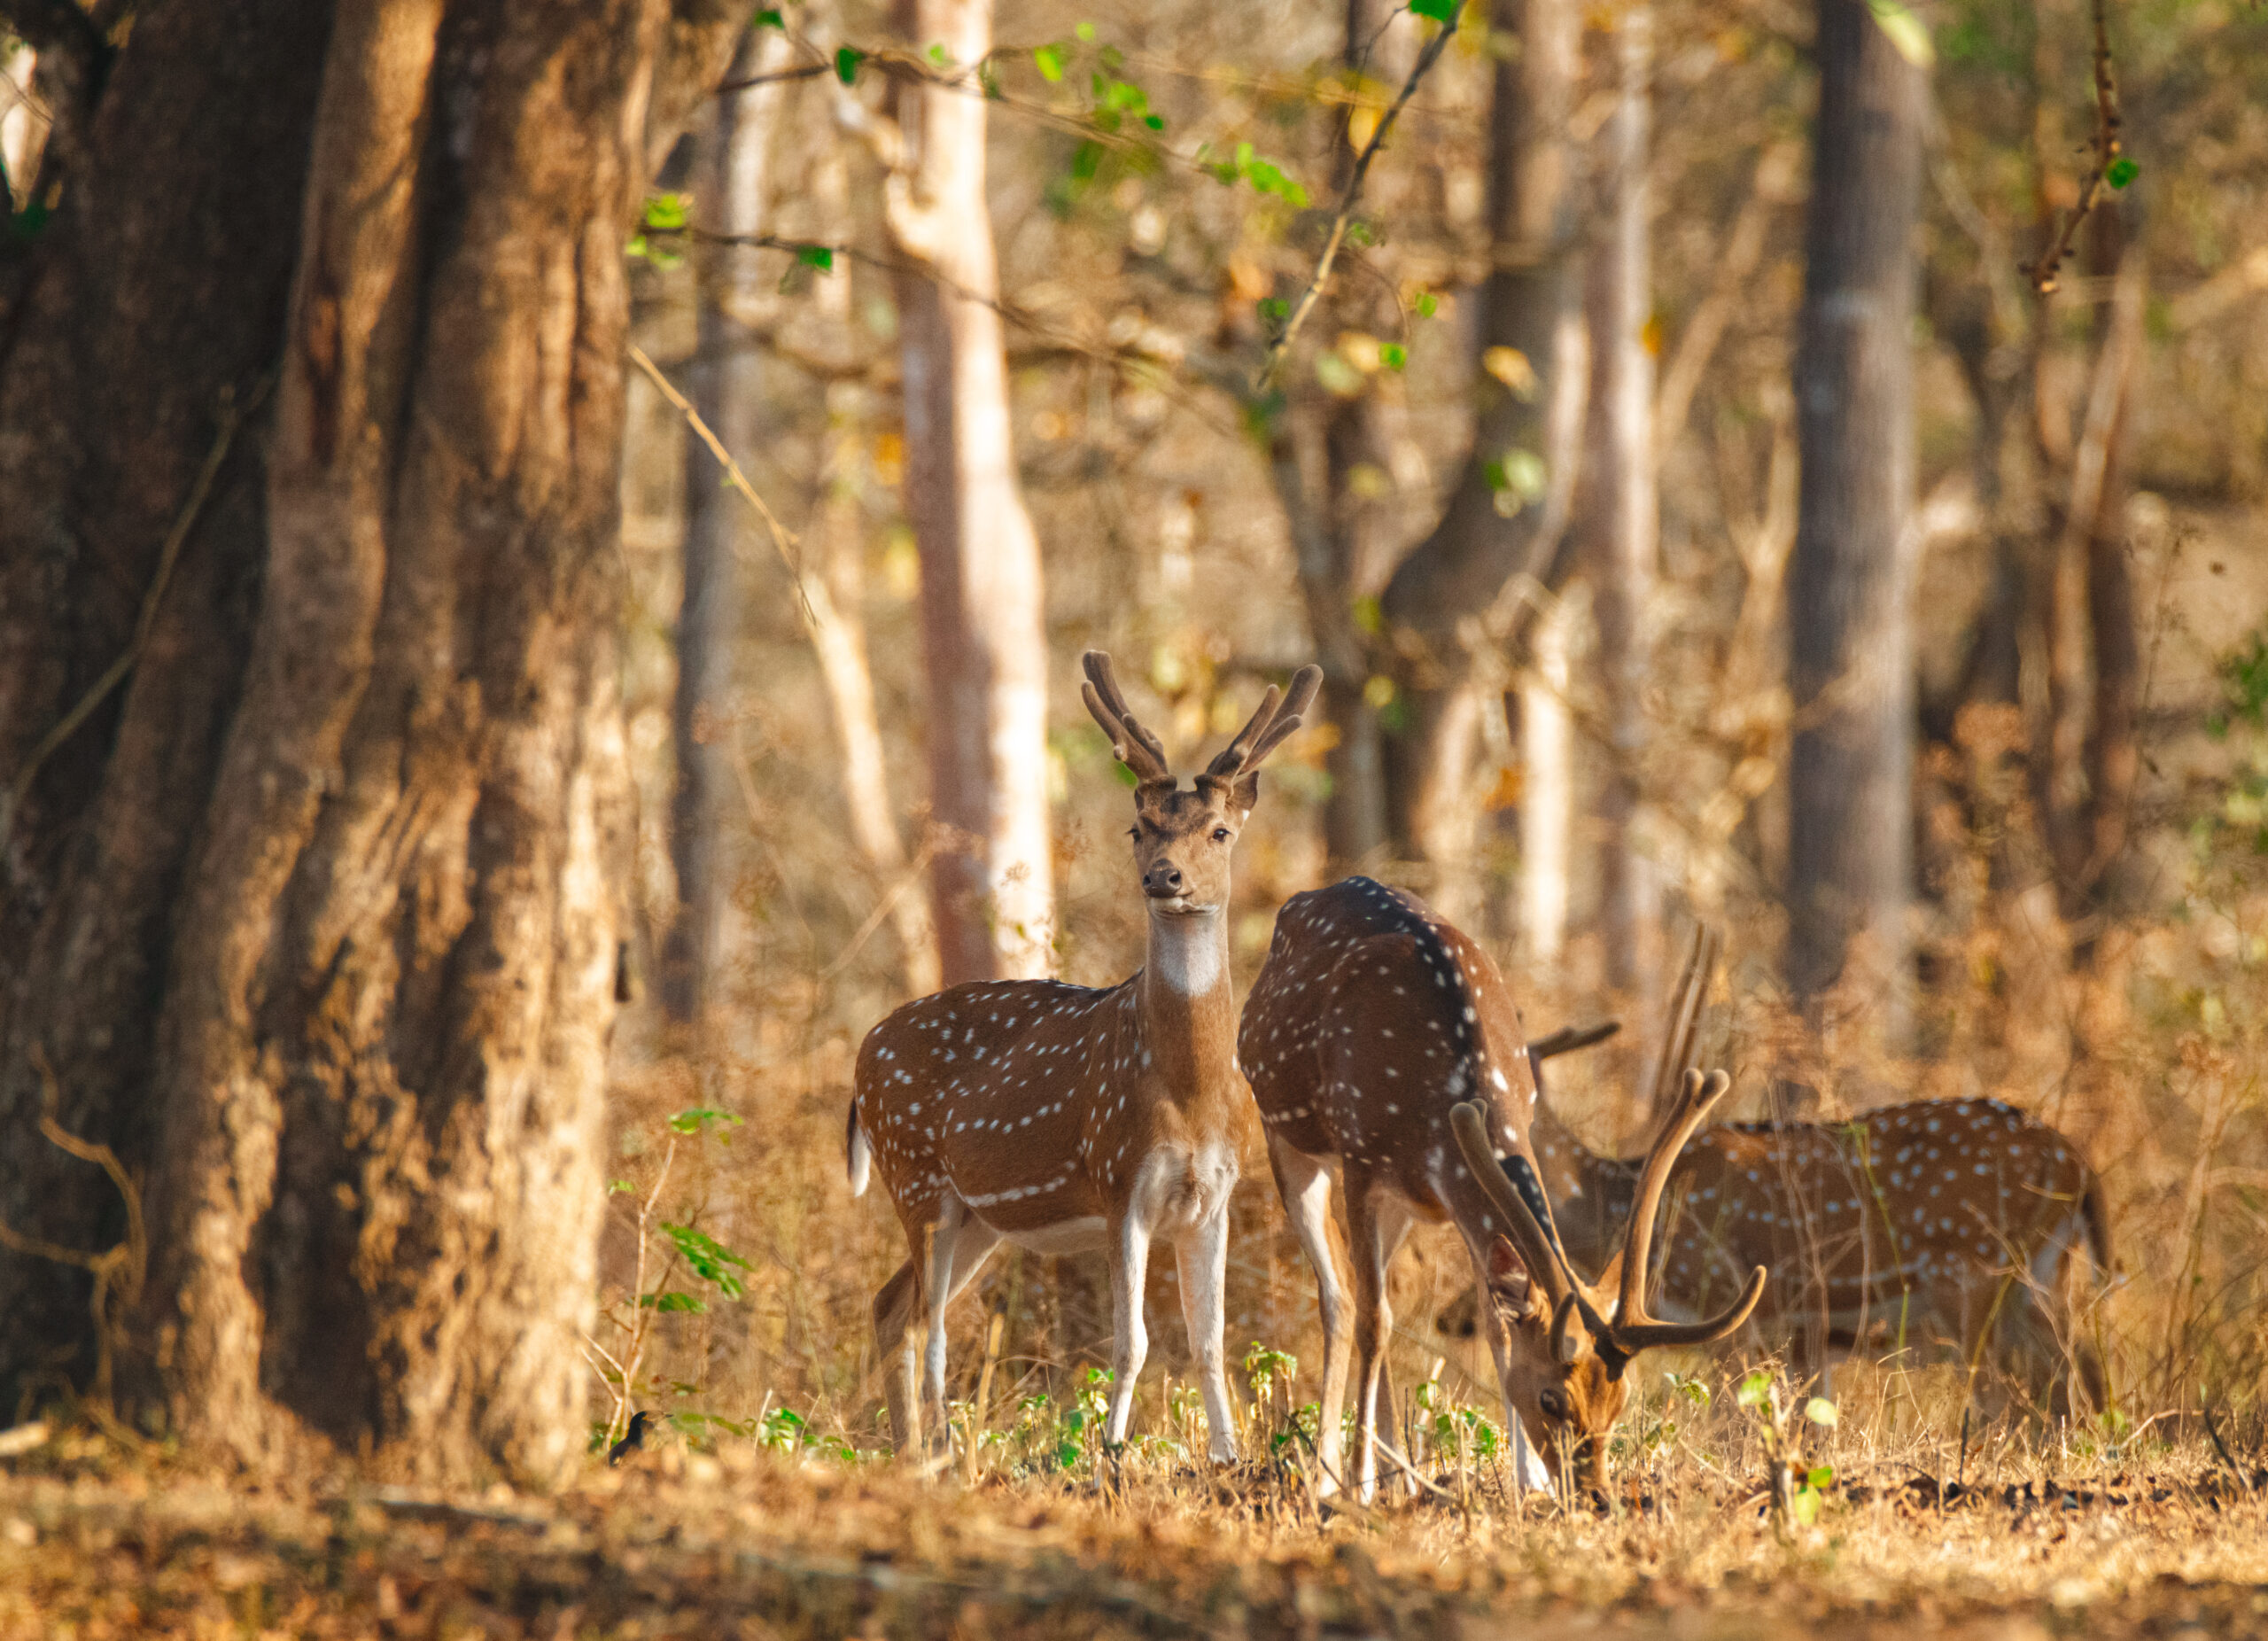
{"points": [[1632, 1330], [1267, 729], [1538, 1248], [1137, 747], [1684, 1017]]}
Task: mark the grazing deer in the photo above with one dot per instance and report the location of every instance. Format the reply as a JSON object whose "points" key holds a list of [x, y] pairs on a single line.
{"points": [[1932, 1224], [1062, 1118], [1379, 1038]]}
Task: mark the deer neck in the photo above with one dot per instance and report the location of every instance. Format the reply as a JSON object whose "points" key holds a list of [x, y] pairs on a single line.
{"points": [[1188, 1018]]}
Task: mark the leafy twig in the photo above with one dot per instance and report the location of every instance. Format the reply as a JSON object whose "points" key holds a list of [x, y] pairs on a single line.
{"points": [[1352, 196], [2112, 168]]}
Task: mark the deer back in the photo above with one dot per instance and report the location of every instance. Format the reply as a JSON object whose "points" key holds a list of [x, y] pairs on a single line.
{"points": [[1372, 1018]]}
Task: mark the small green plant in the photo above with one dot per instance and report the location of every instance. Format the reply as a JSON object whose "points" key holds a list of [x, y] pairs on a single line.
{"points": [[1797, 1489]]}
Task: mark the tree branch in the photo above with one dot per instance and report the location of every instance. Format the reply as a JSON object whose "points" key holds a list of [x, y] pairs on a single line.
{"points": [[1273, 362], [2109, 156]]}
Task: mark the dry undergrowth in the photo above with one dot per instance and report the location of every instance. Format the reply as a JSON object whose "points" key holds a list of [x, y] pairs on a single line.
{"points": [[747, 1541]]}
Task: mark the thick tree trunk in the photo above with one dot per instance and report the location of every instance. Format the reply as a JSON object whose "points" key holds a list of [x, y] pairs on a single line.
{"points": [[1619, 520], [382, 973], [1508, 513], [149, 312], [727, 388], [1547, 729], [1850, 582], [982, 613]]}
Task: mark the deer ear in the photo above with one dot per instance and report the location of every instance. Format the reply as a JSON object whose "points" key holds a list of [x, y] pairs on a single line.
{"points": [[1246, 793], [1508, 1278]]}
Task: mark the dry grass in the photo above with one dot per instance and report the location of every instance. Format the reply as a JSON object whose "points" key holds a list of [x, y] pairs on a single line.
{"points": [[751, 1542]]}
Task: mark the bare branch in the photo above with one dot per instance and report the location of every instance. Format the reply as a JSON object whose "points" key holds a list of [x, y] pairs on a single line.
{"points": [[2045, 273]]}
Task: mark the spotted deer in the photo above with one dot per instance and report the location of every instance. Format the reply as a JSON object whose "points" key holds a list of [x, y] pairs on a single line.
{"points": [[1062, 1118], [1932, 1225], [1379, 1039]]}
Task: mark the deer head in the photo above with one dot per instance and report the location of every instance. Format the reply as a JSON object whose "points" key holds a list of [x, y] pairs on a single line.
{"points": [[1561, 1344], [1183, 840]]}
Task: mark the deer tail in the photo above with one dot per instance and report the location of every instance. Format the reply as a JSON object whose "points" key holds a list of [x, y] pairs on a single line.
{"points": [[858, 1157]]}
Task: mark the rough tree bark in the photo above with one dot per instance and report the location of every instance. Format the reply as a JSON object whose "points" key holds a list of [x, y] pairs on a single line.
{"points": [[1849, 613], [1507, 514], [384, 951], [153, 299], [1618, 517], [982, 609]]}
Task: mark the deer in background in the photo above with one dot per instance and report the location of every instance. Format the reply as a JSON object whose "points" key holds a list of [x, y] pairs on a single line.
{"points": [[1063, 1117], [1380, 1039], [1932, 1224]]}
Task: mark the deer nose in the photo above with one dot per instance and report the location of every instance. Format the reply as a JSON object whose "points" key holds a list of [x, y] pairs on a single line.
{"points": [[1162, 882]]}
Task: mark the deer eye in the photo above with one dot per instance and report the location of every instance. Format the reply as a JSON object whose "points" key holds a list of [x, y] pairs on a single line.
{"points": [[1134, 832], [1554, 1403], [1221, 835]]}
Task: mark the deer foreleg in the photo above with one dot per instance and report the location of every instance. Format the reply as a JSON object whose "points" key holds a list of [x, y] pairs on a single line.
{"points": [[1203, 1259], [1129, 1269], [1304, 1184]]}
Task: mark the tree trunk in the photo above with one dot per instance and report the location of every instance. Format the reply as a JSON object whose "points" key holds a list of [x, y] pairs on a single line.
{"points": [[841, 640], [1619, 522], [1850, 606], [1546, 788], [1508, 513], [727, 388], [384, 960], [148, 310], [982, 613]]}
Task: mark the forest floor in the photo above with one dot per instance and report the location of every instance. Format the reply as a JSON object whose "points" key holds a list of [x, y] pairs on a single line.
{"points": [[755, 1543]]}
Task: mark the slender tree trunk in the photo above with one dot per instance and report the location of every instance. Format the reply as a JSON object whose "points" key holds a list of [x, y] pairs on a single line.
{"points": [[1620, 518], [1507, 514], [378, 767], [1546, 788], [2112, 756], [841, 640], [731, 195], [982, 611], [1850, 583]]}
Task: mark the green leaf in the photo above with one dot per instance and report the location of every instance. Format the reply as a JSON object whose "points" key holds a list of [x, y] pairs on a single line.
{"points": [[619, 1187], [696, 1118], [821, 257], [1755, 1388], [1820, 1410], [712, 1260], [847, 59], [1049, 60], [939, 57], [1275, 309], [1428, 304], [1126, 777], [1154, 121], [1818, 1476], [769, 20], [1393, 355], [670, 1301], [1805, 1507], [1440, 11], [1086, 31], [666, 213], [2121, 172]]}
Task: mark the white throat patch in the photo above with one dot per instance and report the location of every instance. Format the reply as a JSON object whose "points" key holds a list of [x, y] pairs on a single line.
{"points": [[1190, 952]]}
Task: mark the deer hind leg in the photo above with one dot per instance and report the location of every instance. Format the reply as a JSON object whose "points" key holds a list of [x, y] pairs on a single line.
{"points": [[1375, 1228], [945, 1239], [1304, 1184], [894, 1309], [1130, 1272], [1202, 1258]]}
